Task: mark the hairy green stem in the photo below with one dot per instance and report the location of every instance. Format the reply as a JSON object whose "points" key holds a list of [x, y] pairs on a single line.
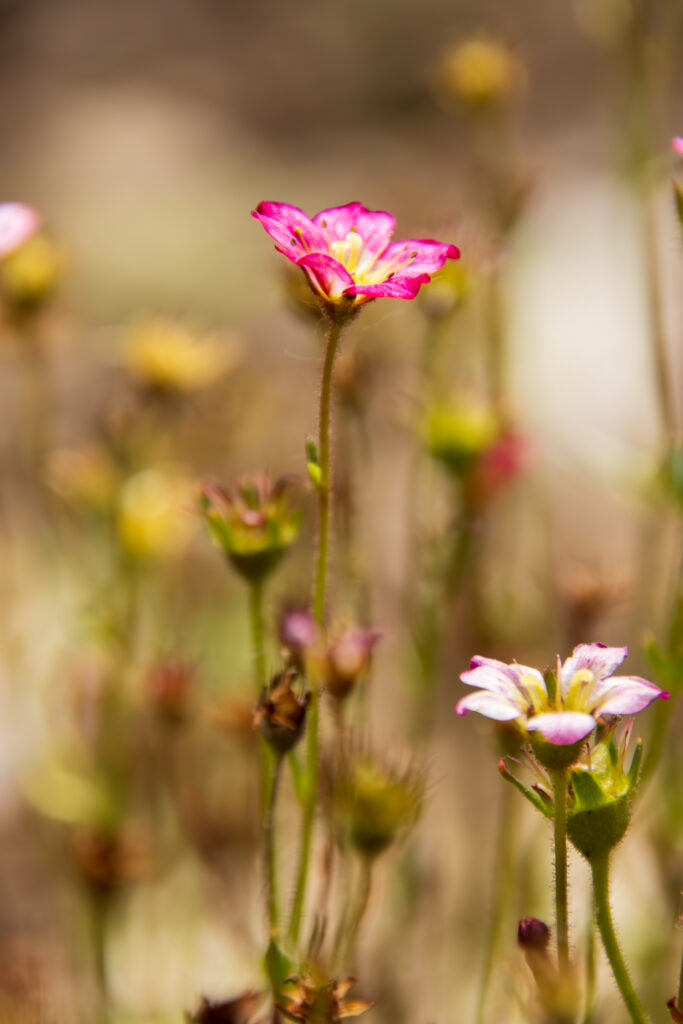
{"points": [[559, 777], [589, 994], [320, 578], [324, 488], [503, 884], [603, 915]]}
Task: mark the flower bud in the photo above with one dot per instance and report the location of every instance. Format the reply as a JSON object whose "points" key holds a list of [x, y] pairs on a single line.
{"points": [[458, 434], [375, 803], [166, 356], [253, 524], [31, 274], [674, 1011], [533, 934], [481, 73], [348, 658], [601, 796], [280, 714], [298, 634]]}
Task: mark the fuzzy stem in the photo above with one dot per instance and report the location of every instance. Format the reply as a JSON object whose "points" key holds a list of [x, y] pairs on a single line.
{"points": [[559, 777], [271, 848], [320, 577], [362, 898], [600, 869], [502, 887], [589, 994]]}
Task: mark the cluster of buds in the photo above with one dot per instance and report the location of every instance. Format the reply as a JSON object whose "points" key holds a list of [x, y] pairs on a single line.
{"points": [[337, 662], [374, 803], [169, 358], [480, 452], [280, 713], [254, 523]]}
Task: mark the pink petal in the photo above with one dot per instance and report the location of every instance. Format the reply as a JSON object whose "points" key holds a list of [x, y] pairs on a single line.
{"points": [[562, 727], [375, 227], [416, 256], [597, 658], [626, 695], [326, 274], [294, 232], [17, 224], [491, 674], [406, 288], [677, 145], [489, 704]]}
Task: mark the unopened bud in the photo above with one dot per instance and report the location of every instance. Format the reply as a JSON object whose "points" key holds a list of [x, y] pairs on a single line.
{"points": [[533, 934]]}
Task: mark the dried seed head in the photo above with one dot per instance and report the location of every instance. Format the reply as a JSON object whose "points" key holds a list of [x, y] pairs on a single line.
{"points": [[280, 714]]}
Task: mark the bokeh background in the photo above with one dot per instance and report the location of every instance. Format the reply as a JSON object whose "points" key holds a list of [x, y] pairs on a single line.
{"points": [[145, 134]]}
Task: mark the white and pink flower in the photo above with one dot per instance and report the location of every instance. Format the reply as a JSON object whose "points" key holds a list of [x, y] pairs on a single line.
{"points": [[585, 690], [348, 254]]}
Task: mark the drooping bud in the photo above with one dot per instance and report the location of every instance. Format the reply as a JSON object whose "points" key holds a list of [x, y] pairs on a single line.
{"points": [[280, 714], [533, 934], [254, 523], [556, 989]]}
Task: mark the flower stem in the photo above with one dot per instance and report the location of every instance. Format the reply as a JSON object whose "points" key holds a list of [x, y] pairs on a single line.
{"points": [[559, 777], [362, 898], [271, 849], [333, 337], [257, 635], [320, 578], [600, 869], [502, 886]]}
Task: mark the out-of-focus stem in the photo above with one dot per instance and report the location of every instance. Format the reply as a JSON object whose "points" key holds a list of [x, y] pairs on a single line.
{"points": [[320, 578], [362, 898], [503, 885], [271, 847], [496, 339], [657, 333], [257, 635], [600, 869], [559, 777]]}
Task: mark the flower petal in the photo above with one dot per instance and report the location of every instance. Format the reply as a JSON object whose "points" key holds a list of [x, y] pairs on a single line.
{"points": [[327, 275], [492, 705], [405, 288], [294, 231], [416, 256], [491, 674], [17, 224], [375, 227], [677, 145], [597, 658], [625, 695], [562, 727]]}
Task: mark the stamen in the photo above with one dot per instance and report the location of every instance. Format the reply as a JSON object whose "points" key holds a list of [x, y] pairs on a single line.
{"points": [[341, 250]]}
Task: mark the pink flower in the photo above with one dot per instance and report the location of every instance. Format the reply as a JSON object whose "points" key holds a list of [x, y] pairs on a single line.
{"points": [[677, 145], [347, 252], [17, 224], [585, 689]]}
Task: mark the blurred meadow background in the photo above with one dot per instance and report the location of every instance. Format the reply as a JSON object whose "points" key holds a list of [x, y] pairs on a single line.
{"points": [[508, 473]]}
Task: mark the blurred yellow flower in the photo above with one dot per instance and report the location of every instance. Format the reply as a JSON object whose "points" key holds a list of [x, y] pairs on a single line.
{"points": [[167, 355], [459, 432], [153, 518], [31, 274], [481, 72]]}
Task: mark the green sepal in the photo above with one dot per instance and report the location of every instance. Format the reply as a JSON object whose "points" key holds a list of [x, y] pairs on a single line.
{"points": [[278, 967], [541, 803]]}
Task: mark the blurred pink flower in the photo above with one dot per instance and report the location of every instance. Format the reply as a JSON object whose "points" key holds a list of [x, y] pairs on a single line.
{"points": [[585, 690], [677, 145], [347, 252], [17, 224]]}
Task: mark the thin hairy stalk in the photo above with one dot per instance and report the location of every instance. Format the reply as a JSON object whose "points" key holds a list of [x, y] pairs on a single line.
{"points": [[271, 846], [320, 578], [350, 938], [657, 333], [589, 994], [559, 777], [502, 888], [603, 915]]}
